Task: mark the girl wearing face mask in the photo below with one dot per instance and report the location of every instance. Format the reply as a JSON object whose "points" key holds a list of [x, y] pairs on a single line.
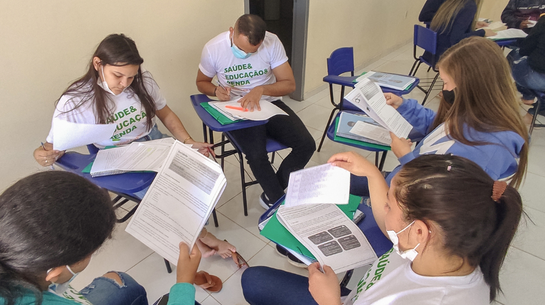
{"points": [[451, 226], [51, 223], [478, 115], [115, 90]]}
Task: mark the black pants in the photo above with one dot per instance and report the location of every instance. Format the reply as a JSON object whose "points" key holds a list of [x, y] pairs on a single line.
{"points": [[288, 130]]}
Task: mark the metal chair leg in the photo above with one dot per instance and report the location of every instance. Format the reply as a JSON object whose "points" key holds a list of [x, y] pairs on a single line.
{"points": [[326, 127], [169, 269], [431, 88]]}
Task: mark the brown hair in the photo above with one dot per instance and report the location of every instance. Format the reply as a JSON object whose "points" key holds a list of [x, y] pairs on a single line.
{"points": [[456, 194], [485, 96], [114, 50], [253, 27], [444, 17]]}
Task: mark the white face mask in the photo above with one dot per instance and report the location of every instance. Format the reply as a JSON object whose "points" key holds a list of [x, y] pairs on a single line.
{"points": [[104, 84], [59, 289], [407, 254]]}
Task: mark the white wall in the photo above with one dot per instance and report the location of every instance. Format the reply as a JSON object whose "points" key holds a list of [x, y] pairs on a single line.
{"points": [[373, 27]]}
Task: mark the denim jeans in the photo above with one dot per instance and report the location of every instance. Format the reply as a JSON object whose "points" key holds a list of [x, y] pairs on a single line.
{"points": [[106, 291], [527, 80], [288, 130], [267, 286]]}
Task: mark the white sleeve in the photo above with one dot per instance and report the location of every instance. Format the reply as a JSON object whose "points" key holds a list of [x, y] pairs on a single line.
{"points": [[207, 65], [278, 53], [154, 91]]}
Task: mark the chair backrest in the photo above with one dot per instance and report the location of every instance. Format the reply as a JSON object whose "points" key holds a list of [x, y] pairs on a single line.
{"points": [[425, 39], [341, 61]]}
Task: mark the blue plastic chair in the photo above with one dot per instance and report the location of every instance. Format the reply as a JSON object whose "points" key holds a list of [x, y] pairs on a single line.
{"points": [[339, 62], [210, 124], [426, 39]]}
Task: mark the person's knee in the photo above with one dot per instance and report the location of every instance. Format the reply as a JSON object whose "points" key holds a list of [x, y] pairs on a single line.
{"points": [[250, 283], [114, 276]]}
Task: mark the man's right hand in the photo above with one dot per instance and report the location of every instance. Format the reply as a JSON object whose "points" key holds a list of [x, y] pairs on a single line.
{"points": [[223, 94], [524, 24]]}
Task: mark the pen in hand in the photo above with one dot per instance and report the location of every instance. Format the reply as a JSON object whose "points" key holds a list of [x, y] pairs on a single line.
{"points": [[43, 146]]}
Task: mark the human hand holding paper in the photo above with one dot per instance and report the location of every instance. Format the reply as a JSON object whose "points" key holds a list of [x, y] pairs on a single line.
{"points": [[324, 287], [400, 146]]}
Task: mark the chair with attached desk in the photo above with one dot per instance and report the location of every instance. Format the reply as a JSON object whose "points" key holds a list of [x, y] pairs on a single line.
{"points": [[379, 242], [426, 39], [126, 186], [210, 124]]}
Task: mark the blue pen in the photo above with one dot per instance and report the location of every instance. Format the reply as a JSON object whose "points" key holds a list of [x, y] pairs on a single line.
{"points": [[43, 146]]}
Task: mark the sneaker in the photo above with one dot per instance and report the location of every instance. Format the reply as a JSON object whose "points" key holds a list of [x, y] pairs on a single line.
{"points": [[294, 261], [264, 201], [281, 251]]}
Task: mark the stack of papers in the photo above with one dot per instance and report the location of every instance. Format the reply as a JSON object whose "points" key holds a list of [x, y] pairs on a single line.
{"points": [[388, 80], [368, 96], [138, 156], [313, 223], [508, 34], [179, 202], [360, 127], [234, 111]]}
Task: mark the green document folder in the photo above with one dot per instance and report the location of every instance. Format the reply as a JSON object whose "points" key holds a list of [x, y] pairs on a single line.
{"points": [[222, 119], [276, 232], [356, 142]]}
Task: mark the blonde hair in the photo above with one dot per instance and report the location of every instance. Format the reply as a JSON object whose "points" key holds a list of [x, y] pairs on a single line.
{"points": [[485, 96], [444, 18]]}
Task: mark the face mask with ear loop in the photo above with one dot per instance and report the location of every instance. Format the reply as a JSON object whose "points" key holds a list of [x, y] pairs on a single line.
{"points": [[407, 254], [104, 85], [238, 52], [59, 289]]}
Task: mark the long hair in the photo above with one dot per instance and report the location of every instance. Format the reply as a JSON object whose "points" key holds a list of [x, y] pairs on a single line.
{"points": [[47, 220], [456, 194], [114, 50], [444, 18], [485, 96]]}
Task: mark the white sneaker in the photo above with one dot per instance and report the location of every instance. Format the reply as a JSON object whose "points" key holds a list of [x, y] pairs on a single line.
{"points": [[264, 201]]}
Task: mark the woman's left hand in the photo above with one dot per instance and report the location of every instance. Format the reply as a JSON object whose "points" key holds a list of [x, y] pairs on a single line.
{"points": [[202, 147], [324, 287], [400, 146]]}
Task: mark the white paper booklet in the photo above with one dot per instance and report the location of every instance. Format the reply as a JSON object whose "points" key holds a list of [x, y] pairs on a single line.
{"points": [[233, 108], [508, 34], [178, 202], [389, 80], [369, 97], [138, 156], [64, 131], [319, 184], [329, 235]]}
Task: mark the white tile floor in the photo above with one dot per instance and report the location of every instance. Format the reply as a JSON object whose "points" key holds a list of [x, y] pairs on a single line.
{"points": [[522, 277]]}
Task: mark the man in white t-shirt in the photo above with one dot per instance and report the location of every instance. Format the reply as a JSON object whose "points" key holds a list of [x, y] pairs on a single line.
{"points": [[251, 62]]}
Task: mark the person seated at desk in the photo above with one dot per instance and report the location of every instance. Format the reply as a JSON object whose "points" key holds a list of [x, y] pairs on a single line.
{"points": [[453, 22], [431, 7], [52, 222], [251, 63], [450, 225], [518, 14], [116, 90], [477, 118], [529, 70]]}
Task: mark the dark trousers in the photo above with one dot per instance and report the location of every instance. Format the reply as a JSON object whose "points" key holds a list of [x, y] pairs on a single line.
{"points": [[288, 130]]}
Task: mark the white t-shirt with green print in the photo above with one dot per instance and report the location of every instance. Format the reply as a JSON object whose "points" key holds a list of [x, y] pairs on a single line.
{"points": [[391, 280], [242, 75], [127, 113]]}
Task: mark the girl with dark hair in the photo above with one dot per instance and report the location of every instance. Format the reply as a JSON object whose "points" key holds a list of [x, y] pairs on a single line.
{"points": [[116, 90], [450, 223], [51, 224]]}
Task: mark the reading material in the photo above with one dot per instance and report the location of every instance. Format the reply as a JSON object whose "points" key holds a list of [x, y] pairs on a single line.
{"points": [[508, 34], [360, 127], [64, 131], [369, 97], [388, 80], [234, 111], [329, 234], [319, 184], [178, 202]]}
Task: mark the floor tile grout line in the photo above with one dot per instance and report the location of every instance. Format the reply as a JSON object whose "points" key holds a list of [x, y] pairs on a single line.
{"points": [[522, 250]]}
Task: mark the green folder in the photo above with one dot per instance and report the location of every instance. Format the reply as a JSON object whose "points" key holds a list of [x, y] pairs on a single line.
{"points": [[356, 142], [276, 232], [222, 119]]}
